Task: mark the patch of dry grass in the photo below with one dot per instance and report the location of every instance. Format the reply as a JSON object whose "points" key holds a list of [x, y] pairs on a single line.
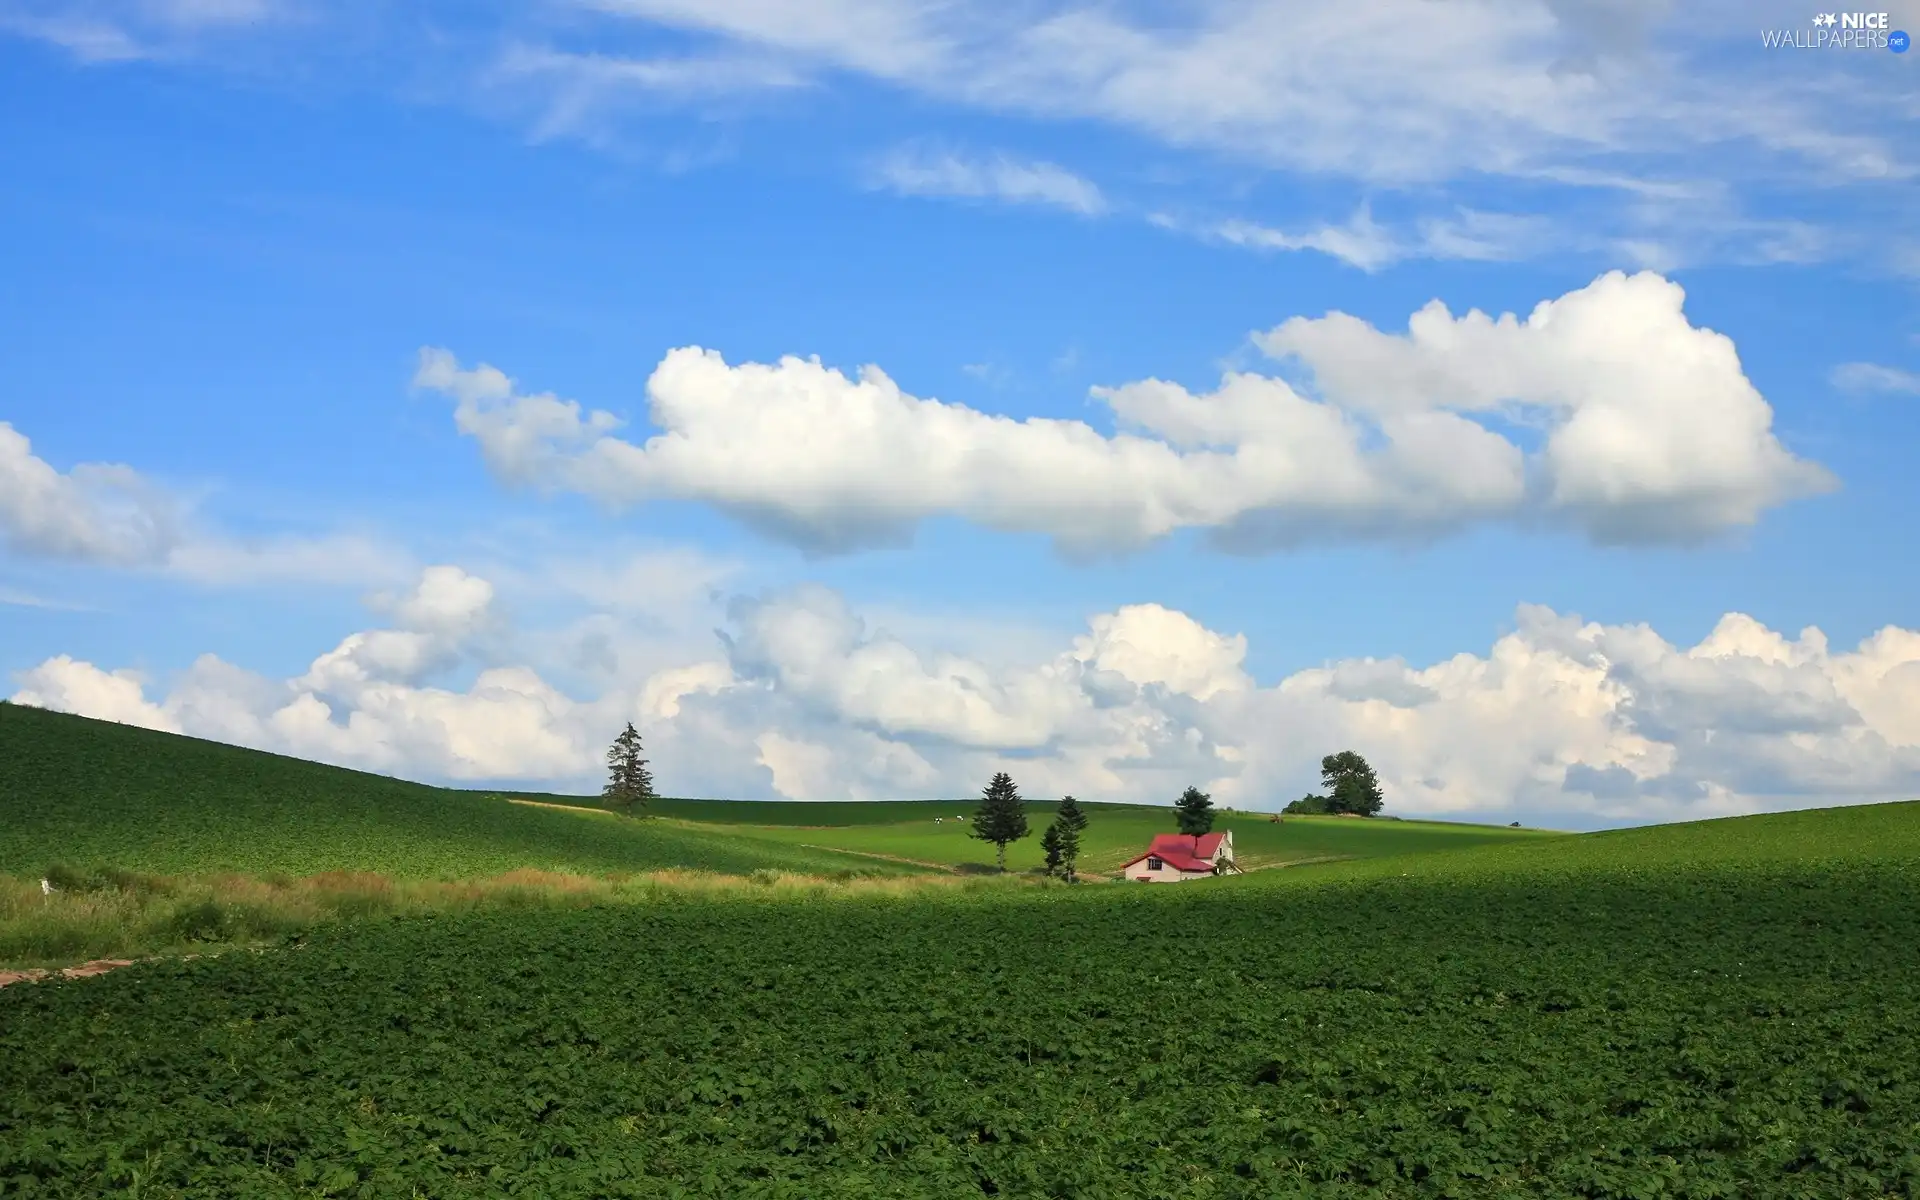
{"points": [[122, 914]]}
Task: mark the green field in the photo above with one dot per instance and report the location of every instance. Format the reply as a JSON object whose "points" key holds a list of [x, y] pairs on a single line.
{"points": [[1718, 1009], [1697, 1011]]}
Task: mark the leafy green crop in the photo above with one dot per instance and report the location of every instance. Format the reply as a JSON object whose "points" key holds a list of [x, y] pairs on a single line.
{"points": [[1709, 1031]]}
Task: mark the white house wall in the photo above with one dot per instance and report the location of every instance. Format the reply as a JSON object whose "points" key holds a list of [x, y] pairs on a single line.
{"points": [[1166, 874]]}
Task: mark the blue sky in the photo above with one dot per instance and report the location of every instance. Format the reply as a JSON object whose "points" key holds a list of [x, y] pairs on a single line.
{"points": [[1163, 482]]}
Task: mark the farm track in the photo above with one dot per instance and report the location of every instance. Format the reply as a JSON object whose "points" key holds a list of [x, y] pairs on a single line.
{"points": [[99, 966], [948, 868]]}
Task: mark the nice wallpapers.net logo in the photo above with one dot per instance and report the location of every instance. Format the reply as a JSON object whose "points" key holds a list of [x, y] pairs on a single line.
{"points": [[1839, 31]]}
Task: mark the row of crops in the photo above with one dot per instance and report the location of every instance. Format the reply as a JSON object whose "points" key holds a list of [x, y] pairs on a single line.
{"points": [[1698, 1032]]}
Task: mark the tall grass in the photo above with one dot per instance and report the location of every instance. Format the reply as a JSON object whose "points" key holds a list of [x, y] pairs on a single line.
{"points": [[116, 914]]}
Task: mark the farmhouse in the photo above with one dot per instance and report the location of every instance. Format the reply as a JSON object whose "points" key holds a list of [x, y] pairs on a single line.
{"points": [[1178, 857]]}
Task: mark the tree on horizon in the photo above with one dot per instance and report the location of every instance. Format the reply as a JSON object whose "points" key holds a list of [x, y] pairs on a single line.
{"points": [[1002, 816], [629, 783], [1351, 787], [1194, 811]]}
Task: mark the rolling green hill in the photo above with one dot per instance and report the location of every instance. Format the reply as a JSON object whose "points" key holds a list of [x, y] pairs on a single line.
{"points": [[1115, 833], [1883, 835], [95, 793], [87, 793]]}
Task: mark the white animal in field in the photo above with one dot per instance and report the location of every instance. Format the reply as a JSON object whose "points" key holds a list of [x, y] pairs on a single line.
{"points": [[46, 887]]}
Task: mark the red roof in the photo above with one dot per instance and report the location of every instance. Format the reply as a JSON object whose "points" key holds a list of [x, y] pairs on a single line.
{"points": [[1182, 851]]}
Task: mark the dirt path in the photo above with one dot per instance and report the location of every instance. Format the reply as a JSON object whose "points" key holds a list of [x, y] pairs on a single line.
{"points": [[572, 808], [949, 868], [99, 966]]}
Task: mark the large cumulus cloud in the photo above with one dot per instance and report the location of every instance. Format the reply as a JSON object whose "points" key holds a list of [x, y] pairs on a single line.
{"points": [[1649, 430]]}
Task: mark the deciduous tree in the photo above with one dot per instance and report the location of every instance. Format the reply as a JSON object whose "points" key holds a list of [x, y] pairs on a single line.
{"points": [[1351, 785]]}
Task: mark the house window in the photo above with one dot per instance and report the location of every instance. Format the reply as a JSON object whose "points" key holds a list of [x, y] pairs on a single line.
{"points": [[1154, 864]]}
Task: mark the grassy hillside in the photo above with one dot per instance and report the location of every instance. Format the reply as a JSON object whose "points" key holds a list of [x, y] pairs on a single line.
{"points": [[1886, 835], [791, 813], [85, 792]]}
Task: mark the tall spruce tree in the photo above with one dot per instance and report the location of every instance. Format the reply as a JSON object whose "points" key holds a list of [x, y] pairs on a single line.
{"points": [[1194, 811], [1002, 816], [629, 783], [1351, 785], [1069, 819]]}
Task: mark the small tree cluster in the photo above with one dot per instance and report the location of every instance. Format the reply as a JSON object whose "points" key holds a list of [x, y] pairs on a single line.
{"points": [[629, 783], [1351, 787], [1002, 820]]}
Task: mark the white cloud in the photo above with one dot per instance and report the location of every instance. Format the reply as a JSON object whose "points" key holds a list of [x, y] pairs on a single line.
{"points": [[102, 512], [111, 515], [1873, 377], [806, 700], [1653, 422], [915, 171], [435, 622], [64, 683], [1650, 431]]}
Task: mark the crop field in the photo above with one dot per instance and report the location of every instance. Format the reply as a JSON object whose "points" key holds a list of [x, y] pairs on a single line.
{"points": [[91, 793], [1730, 1009]]}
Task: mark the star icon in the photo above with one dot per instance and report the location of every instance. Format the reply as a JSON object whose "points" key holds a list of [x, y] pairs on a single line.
{"points": [[1823, 19]]}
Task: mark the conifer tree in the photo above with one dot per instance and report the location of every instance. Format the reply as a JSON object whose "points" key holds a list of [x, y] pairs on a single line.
{"points": [[1002, 816], [1069, 819], [1194, 811], [1050, 842], [628, 780]]}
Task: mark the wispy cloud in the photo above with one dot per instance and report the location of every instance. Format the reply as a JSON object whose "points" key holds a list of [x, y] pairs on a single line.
{"points": [[914, 171], [1873, 377], [102, 31], [24, 599], [1385, 91], [1364, 242], [1561, 108]]}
